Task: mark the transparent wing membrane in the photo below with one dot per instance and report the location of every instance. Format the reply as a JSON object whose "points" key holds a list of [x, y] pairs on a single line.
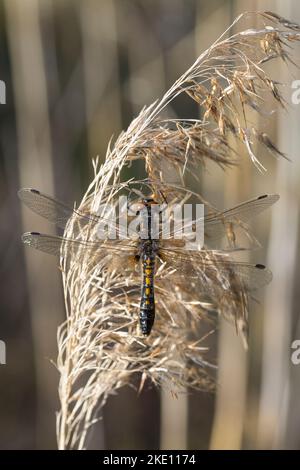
{"points": [[209, 266], [56, 211], [223, 223], [52, 244], [215, 225]]}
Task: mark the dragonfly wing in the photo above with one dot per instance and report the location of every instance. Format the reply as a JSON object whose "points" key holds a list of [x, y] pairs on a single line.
{"points": [[52, 244], [218, 225], [59, 213], [46, 206], [209, 266]]}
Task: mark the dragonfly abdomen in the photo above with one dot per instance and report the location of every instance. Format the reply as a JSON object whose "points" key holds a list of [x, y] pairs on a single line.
{"points": [[147, 306]]}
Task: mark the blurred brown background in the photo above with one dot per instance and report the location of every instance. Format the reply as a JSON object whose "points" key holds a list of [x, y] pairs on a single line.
{"points": [[77, 72]]}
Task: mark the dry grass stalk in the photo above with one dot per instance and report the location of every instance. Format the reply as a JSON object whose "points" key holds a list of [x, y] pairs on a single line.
{"points": [[100, 347]]}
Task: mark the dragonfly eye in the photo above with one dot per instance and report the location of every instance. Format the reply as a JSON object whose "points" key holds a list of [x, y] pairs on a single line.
{"points": [[148, 200]]}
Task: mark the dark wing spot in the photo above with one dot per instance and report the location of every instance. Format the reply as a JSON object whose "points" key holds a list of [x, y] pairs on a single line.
{"points": [[260, 266]]}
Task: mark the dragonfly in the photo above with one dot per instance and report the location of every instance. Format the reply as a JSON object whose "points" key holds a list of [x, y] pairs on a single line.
{"points": [[204, 266]]}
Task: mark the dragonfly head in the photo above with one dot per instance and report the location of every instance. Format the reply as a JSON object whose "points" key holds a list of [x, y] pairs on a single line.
{"points": [[137, 207], [149, 201]]}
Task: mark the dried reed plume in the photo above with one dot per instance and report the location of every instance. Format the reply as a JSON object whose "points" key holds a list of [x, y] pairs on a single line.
{"points": [[100, 348]]}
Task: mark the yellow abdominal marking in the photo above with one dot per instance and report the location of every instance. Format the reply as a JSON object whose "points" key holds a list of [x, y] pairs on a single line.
{"points": [[148, 271], [148, 261], [147, 291], [148, 281], [147, 302]]}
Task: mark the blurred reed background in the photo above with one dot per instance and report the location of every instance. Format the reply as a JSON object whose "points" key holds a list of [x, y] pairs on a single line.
{"points": [[77, 72]]}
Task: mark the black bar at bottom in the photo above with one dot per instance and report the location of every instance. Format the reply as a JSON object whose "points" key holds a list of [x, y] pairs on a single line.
{"points": [[132, 459]]}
